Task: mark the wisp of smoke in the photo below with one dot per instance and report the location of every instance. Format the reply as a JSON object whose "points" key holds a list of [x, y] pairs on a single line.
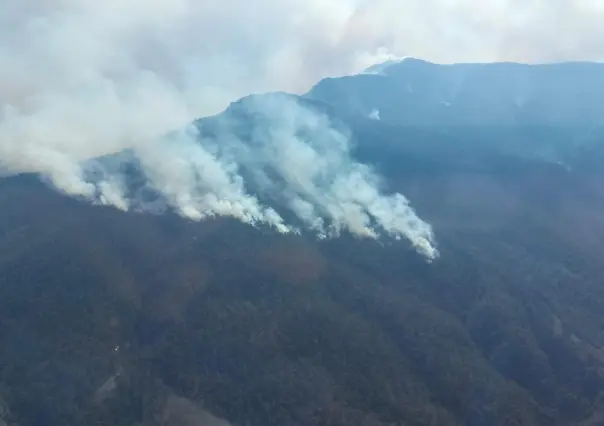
{"points": [[123, 81]]}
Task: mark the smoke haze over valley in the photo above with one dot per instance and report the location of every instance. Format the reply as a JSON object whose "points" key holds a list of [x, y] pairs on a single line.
{"points": [[84, 79], [273, 213]]}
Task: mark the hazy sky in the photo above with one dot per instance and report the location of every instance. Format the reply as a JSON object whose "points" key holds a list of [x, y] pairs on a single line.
{"points": [[82, 78], [86, 77], [224, 49]]}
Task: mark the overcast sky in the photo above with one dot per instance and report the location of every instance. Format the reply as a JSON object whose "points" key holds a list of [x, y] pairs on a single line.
{"points": [[86, 77], [83, 78], [223, 49]]}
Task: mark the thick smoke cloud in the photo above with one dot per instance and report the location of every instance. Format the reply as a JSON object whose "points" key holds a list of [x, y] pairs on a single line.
{"points": [[304, 159], [532, 31], [223, 50], [83, 78], [289, 161]]}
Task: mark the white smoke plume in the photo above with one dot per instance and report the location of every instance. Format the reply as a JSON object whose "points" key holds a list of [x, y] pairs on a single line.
{"points": [[81, 79], [306, 160], [84, 78], [288, 159]]}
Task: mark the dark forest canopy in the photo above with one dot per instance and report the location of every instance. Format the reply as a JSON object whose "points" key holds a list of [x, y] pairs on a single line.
{"points": [[136, 319]]}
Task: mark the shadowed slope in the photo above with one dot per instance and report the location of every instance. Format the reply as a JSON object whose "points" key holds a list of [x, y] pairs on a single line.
{"points": [[130, 319], [278, 330]]}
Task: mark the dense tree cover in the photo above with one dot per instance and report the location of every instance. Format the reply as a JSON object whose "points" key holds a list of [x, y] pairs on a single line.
{"points": [[106, 317], [131, 319]]}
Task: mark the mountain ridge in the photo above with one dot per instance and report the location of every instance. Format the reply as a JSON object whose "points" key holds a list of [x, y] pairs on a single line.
{"points": [[108, 317], [422, 93]]}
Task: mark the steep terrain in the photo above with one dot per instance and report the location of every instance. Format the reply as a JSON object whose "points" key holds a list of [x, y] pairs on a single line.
{"points": [[136, 319], [416, 92]]}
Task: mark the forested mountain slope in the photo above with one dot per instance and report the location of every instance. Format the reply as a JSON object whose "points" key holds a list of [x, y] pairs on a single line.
{"points": [[121, 318]]}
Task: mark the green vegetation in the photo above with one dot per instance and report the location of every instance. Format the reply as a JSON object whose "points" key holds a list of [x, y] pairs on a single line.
{"points": [[504, 329]]}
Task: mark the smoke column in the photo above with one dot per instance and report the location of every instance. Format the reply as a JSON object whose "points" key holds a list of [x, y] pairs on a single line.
{"points": [[125, 80]]}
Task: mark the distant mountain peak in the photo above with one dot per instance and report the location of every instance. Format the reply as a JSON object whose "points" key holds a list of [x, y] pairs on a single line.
{"points": [[382, 67], [413, 91]]}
